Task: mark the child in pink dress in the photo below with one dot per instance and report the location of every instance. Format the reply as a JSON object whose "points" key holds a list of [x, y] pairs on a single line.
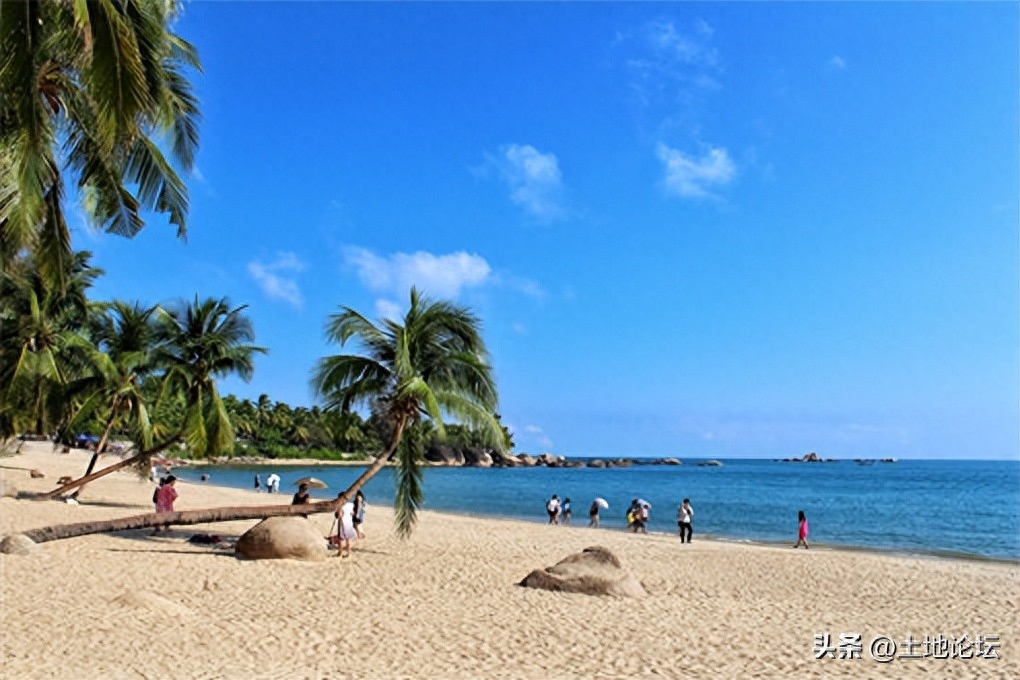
{"points": [[802, 530]]}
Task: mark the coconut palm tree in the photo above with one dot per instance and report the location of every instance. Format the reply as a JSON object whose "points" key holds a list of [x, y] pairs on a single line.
{"points": [[196, 344], [41, 343], [431, 363], [201, 342], [94, 91], [124, 337]]}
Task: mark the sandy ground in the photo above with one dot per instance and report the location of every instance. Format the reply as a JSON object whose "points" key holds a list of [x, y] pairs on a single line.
{"points": [[445, 603]]}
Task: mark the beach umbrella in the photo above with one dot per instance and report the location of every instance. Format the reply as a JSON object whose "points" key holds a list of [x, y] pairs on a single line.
{"points": [[312, 482], [602, 503]]}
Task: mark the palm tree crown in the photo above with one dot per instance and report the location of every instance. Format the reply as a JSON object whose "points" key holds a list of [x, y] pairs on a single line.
{"points": [[200, 342], [94, 90], [432, 362]]}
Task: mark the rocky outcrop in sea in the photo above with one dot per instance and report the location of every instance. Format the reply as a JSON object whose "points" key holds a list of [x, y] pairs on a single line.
{"points": [[443, 455]]}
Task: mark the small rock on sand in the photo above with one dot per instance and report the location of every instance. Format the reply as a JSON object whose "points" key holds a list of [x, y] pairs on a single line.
{"points": [[18, 544]]}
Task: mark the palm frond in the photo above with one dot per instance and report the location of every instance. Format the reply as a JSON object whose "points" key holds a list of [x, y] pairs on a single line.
{"points": [[409, 479]]}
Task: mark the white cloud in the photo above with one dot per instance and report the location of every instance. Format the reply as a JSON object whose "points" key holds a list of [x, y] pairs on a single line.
{"points": [[538, 436], [275, 278], [526, 286], [519, 328], [440, 275], [691, 177], [533, 178], [674, 46], [837, 62], [387, 309], [672, 69]]}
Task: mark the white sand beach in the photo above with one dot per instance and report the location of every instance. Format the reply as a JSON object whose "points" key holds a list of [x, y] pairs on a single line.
{"points": [[445, 604]]}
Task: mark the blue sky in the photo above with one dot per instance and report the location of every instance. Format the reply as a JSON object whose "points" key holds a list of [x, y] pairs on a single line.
{"points": [[741, 229]]}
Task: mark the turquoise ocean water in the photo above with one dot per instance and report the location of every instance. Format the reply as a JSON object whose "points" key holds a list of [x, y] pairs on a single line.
{"points": [[967, 508]]}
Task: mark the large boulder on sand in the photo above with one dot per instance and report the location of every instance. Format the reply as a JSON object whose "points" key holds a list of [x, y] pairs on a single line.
{"points": [[283, 537], [8, 488], [18, 544], [593, 571]]}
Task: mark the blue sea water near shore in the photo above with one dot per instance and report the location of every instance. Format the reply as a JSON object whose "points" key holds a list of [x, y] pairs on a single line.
{"points": [[964, 508]]}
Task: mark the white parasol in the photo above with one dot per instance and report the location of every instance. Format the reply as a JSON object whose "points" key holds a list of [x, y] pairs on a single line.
{"points": [[312, 483], [602, 503]]}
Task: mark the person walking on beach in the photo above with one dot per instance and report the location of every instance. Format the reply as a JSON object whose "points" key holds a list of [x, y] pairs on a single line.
{"points": [[643, 517], [258, 483], [684, 514], [802, 530], [359, 513], [565, 511], [553, 508], [166, 494], [593, 514]]}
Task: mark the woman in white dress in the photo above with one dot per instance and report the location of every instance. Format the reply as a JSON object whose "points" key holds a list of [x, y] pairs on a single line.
{"points": [[345, 529]]}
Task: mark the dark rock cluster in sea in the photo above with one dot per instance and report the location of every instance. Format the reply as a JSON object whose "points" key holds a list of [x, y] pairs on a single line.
{"points": [[443, 455], [810, 458], [815, 458]]}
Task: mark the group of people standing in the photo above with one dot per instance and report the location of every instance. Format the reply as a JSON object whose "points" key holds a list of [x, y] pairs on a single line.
{"points": [[272, 483], [559, 512], [638, 515], [349, 519]]}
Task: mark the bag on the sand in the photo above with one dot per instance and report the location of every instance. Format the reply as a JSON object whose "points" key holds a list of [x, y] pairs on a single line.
{"points": [[204, 539]]}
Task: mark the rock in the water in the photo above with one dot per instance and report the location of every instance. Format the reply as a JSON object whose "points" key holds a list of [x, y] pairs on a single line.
{"points": [[501, 459], [444, 455], [546, 459], [526, 460], [710, 463], [18, 544], [670, 461], [597, 463], [283, 537], [594, 571], [477, 457], [36, 474]]}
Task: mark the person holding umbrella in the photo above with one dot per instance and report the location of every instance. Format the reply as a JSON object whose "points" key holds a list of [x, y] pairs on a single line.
{"points": [[593, 511], [273, 483], [301, 497]]}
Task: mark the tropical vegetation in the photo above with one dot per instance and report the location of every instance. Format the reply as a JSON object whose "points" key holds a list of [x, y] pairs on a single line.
{"points": [[432, 362], [96, 106], [94, 93]]}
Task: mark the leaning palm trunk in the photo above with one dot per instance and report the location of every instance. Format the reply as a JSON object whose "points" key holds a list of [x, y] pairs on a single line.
{"points": [[209, 515], [183, 517], [133, 460], [100, 447]]}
